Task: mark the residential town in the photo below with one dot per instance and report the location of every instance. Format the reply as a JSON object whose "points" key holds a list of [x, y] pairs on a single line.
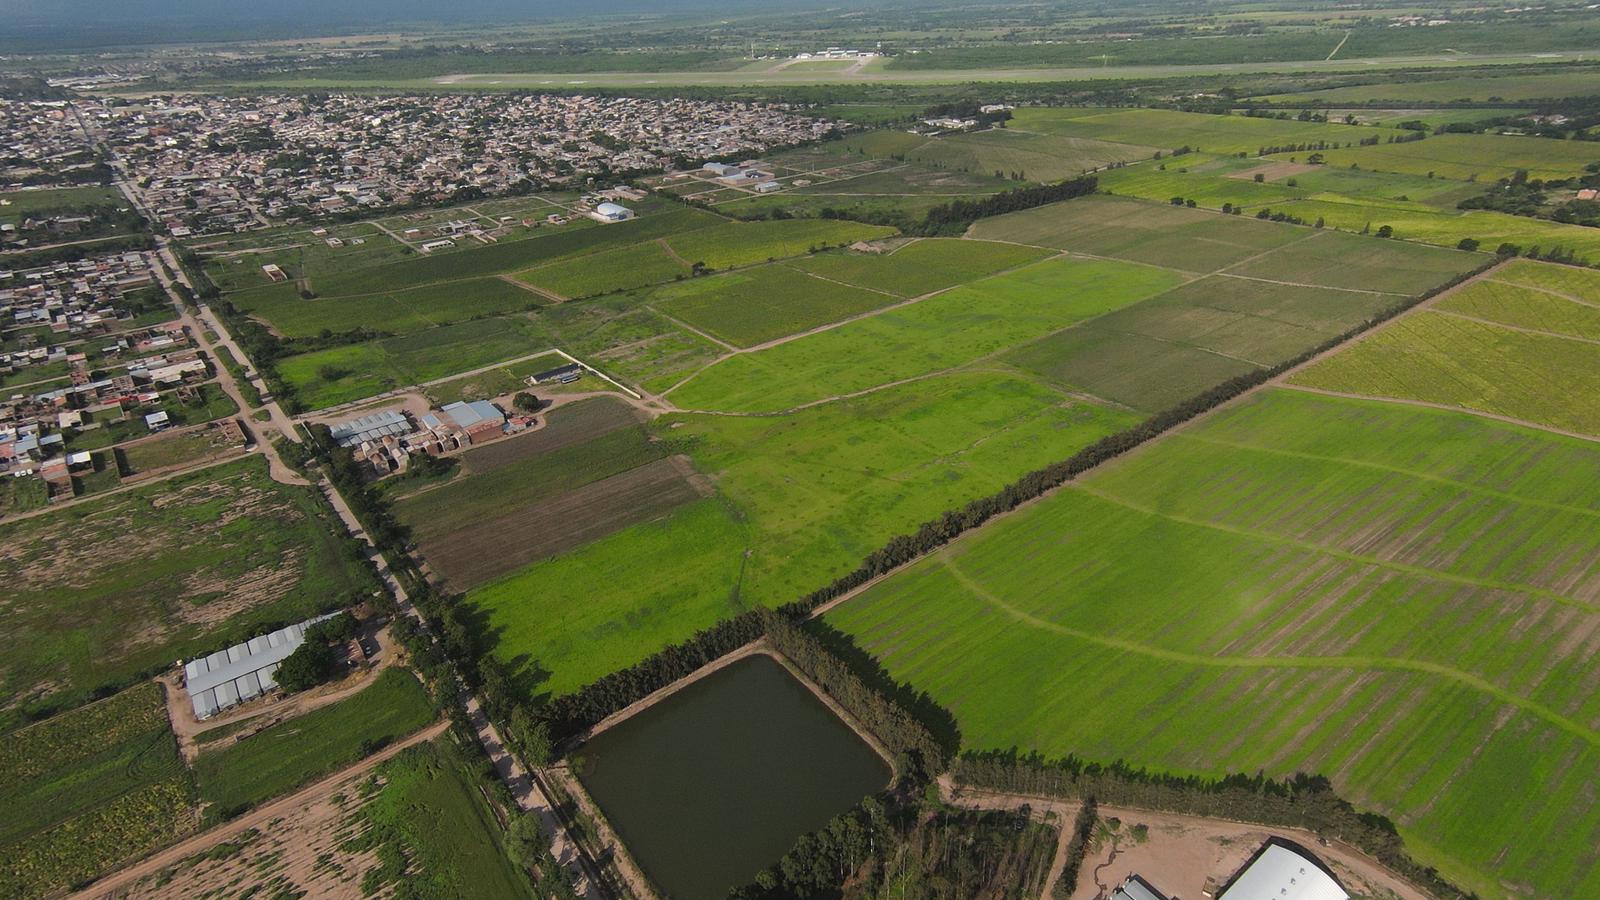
{"points": [[218, 164]]}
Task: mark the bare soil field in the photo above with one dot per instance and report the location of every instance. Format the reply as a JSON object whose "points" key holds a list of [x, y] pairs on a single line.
{"points": [[494, 547], [570, 425]]}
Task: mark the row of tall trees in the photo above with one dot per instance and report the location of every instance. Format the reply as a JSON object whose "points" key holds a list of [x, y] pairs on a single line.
{"points": [[955, 216], [1303, 801]]}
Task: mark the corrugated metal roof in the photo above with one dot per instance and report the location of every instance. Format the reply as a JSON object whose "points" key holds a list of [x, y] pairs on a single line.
{"points": [[243, 671], [1136, 888], [467, 415], [370, 427]]}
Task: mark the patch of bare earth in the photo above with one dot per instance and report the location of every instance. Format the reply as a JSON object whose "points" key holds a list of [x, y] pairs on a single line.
{"points": [[503, 544], [1273, 171], [296, 854]]}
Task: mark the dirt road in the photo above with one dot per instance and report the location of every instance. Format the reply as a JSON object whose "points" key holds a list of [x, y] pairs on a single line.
{"points": [[112, 885]]}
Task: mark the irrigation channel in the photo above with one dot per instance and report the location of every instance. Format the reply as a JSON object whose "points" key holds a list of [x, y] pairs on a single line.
{"points": [[722, 776]]}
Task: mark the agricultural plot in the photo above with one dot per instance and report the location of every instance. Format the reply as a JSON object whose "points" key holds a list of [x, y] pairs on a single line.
{"points": [[1152, 355], [1444, 228], [1170, 129], [922, 266], [1018, 154], [170, 451], [1299, 583], [801, 498], [589, 472], [280, 758], [609, 270], [1211, 181], [733, 244], [1525, 307], [1156, 234], [882, 188], [951, 329], [1359, 263], [1482, 87], [1436, 357], [1471, 157], [344, 842], [282, 308], [89, 788], [755, 305], [102, 592]]}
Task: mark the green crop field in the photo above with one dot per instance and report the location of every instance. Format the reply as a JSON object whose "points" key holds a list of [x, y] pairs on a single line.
{"points": [[755, 305], [1152, 233], [1417, 222], [609, 270], [425, 804], [1435, 357], [1170, 129], [803, 497], [922, 266], [18, 205], [1568, 281], [746, 243], [395, 312], [1481, 87], [1472, 157], [951, 329], [1525, 307], [1358, 262], [89, 788], [280, 758], [568, 620], [1211, 181], [1154, 354], [1017, 153], [1298, 583], [163, 572]]}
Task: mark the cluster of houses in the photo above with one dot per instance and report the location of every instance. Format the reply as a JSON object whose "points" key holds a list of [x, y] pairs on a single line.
{"points": [[42, 142], [71, 298], [384, 441], [212, 164]]}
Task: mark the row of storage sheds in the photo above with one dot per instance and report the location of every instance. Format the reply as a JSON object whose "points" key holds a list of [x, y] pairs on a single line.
{"points": [[241, 672]]}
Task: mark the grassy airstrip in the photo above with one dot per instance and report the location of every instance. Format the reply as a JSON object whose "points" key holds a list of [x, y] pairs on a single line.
{"points": [[1299, 583]]}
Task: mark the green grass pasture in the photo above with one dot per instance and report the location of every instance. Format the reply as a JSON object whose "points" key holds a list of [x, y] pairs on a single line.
{"points": [[951, 329], [1016, 153], [395, 312]]}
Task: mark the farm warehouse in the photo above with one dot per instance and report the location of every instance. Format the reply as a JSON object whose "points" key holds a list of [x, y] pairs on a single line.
{"points": [[241, 672]]}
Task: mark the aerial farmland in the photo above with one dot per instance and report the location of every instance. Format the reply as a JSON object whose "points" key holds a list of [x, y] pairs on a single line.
{"points": [[905, 452]]}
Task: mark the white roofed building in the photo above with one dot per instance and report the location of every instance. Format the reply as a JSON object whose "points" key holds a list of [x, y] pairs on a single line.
{"points": [[241, 672], [1283, 872]]}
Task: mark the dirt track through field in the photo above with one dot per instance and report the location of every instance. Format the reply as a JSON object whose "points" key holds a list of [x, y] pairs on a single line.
{"points": [[115, 885]]}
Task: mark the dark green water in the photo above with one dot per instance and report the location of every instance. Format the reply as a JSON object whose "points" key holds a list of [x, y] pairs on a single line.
{"points": [[718, 780]]}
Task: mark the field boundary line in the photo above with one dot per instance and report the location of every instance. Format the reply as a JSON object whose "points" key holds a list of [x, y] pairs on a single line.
{"points": [[615, 383], [1509, 327], [1306, 284], [550, 295], [1544, 290], [690, 328], [1445, 407], [1268, 537], [1396, 470], [1364, 663]]}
